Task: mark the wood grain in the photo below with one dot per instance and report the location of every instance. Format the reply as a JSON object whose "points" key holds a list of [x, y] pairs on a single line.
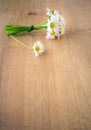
{"points": [[51, 92]]}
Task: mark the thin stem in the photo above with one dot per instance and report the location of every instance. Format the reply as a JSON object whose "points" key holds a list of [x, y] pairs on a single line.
{"points": [[40, 26], [20, 42]]}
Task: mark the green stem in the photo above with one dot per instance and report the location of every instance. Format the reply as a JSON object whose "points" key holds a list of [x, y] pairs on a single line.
{"points": [[20, 42], [40, 26]]}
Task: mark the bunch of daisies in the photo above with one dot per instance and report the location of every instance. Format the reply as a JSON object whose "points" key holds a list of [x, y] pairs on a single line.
{"points": [[55, 24], [55, 27]]}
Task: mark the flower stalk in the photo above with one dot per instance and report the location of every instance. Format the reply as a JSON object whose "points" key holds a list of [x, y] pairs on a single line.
{"points": [[20, 42]]}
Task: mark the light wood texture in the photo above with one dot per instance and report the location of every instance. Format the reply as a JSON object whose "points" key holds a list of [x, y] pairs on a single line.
{"points": [[51, 92]]}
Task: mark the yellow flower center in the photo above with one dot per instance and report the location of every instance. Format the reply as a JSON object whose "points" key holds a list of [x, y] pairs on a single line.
{"points": [[53, 33], [52, 24], [52, 11], [37, 48]]}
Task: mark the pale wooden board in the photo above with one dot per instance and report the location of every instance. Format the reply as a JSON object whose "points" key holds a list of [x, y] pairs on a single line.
{"points": [[51, 92]]}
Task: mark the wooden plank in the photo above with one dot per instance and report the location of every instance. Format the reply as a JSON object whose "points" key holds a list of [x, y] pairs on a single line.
{"points": [[51, 92]]}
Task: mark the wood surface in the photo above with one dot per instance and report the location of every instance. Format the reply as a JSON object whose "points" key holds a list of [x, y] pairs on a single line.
{"points": [[51, 92]]}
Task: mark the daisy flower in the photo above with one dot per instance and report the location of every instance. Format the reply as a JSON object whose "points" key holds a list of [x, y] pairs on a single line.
{"points": [[52, 24], [51, 12], [50, 35], [38, 48]]}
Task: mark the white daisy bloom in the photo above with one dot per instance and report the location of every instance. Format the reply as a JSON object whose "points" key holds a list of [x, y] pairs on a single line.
{"points": [[51, 12], [38, 48], [50, 34], [52, 24]]}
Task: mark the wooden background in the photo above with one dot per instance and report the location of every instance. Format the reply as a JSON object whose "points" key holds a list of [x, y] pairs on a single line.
{"points": [[51, 92]]}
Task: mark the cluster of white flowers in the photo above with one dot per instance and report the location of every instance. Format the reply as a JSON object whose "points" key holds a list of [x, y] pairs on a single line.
{"points": [[55, 24], [38, 48]]}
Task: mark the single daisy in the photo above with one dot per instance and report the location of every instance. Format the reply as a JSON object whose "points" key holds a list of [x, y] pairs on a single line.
{"points": [[50, 35], [38, 48], [51, 12], [52, 24]]}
